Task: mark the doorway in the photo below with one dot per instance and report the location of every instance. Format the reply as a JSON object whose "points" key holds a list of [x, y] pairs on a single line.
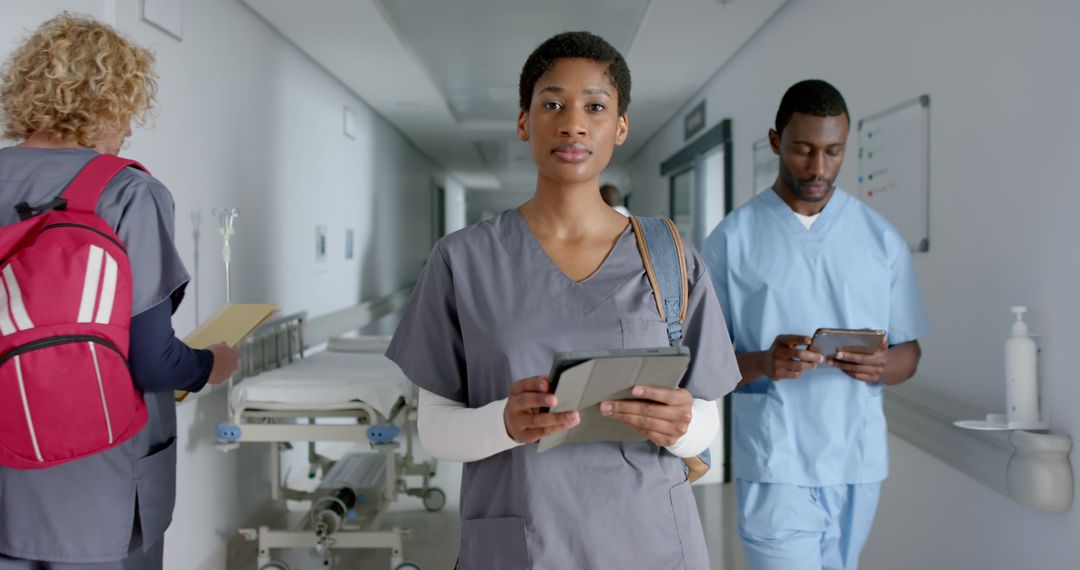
{"points": [[700, 195], [438, 212]]}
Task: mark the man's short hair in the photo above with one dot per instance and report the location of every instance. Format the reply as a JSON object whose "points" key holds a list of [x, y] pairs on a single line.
{"points": [[810, 97], [574, 45]]}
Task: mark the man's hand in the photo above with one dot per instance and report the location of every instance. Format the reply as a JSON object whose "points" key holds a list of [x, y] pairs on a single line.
{"points": [[785, 360], [661, 414], [524, 421], [226, 359], [863, 367]]}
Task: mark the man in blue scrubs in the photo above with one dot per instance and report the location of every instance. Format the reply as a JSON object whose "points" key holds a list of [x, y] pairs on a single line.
{"points": [[809, 439]]}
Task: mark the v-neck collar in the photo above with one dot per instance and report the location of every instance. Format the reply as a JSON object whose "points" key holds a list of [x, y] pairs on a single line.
{"points": [[538, 268], [820, 230]]}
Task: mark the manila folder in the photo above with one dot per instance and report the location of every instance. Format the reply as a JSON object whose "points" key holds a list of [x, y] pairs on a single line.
{"points": [[232, 324]]}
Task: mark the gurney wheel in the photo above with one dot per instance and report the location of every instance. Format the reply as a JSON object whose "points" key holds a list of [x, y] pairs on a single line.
{"points": [[407, 566], [434, 499], [275, 565]]}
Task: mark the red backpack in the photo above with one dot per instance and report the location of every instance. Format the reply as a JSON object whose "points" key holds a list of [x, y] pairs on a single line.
{"points": [[65, 312]]}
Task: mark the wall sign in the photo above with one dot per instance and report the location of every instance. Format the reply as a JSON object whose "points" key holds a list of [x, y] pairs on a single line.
{"points": [[320, 243], [694, 121]]}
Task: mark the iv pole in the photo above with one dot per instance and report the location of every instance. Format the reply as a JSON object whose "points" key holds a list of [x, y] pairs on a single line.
{"points": [[228, 221]]}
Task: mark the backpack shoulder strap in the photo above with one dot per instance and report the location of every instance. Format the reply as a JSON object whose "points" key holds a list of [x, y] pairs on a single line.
{"points": [[662, 253], [84, 191]]}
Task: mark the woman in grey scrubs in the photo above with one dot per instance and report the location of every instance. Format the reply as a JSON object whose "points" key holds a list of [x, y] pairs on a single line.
{"points": [[560, 273], [69, 93]]}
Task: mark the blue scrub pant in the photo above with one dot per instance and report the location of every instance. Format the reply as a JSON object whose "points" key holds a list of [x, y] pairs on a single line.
{"points": [[788, 527]]}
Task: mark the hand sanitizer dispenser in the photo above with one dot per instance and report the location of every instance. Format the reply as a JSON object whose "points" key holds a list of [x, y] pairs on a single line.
{"points": [[1021, 384]]}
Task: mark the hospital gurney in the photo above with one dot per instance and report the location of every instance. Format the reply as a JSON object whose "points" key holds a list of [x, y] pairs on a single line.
{"points": [[348, 393]]}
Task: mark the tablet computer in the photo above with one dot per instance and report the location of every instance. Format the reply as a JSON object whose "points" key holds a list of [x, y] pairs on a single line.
{"points": [[581, 380], [831, 341]]}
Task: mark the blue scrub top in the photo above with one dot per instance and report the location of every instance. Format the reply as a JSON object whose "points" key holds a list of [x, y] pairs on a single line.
{"points": [[772, 276]]}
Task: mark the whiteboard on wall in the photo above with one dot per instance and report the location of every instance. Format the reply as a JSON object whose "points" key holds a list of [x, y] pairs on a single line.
{"points": [[894, 168]]}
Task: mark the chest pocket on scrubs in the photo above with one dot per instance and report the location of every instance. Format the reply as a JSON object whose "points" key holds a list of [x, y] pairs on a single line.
{"points": [[494, 543], [644, 333]]}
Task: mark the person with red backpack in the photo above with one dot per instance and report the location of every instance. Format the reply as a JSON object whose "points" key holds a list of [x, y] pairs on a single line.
{"points": [[89, 279]]}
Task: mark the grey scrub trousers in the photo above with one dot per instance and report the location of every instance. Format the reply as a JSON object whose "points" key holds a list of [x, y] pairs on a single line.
{"points": [[110, 510], [491, 308]]}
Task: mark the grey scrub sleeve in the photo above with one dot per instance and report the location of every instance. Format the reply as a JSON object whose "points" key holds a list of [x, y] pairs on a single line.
{"points": [[491, 308], [427, 344], [85, 511]]}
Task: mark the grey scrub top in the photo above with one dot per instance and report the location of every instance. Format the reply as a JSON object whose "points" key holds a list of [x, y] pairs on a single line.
{"points": [[84, 511], [491, 308]]}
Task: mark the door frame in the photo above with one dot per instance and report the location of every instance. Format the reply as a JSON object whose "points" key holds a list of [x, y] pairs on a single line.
{"points": [[692, 156]]}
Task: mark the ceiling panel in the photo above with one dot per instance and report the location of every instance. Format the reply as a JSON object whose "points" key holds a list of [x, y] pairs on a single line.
{"points": [[474, 49]]}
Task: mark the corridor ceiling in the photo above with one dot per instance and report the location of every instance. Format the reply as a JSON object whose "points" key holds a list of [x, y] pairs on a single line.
{"points": [[445, 72]]}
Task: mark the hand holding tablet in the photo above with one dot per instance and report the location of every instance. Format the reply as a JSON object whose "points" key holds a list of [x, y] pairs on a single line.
{"points": [[860, 341], [581, 381]]}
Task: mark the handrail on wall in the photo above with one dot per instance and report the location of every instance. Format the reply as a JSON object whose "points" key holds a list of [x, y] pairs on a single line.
{"points": [[321, 328], [1031, 468]]}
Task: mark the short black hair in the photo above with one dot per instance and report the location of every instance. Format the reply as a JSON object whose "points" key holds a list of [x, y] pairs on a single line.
{"points": [[574, 45], [810, 97]]}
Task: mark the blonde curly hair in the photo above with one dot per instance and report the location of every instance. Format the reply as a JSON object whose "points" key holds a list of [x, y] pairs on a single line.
{"points": [[77, 80]]}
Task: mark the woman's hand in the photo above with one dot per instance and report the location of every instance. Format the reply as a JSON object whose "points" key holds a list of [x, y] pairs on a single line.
{"points": [[226, 361], [525, 423], [661, 414]]}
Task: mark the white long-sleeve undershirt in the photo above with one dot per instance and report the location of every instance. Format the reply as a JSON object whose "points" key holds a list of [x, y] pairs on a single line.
{"points": [[452, 431]]}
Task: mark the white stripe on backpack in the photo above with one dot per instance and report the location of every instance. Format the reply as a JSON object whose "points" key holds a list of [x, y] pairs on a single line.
{"points": [[26, 409], [6, 326], [101, 389], [18, 310], [108, 292], [90, 284]]}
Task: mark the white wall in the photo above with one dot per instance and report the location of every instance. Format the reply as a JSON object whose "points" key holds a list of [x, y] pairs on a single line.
{"points": [[245, 120], [1004, 81]]}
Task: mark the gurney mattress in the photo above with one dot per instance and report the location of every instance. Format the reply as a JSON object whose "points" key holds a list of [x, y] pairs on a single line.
{"points": [[325, 381]]}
